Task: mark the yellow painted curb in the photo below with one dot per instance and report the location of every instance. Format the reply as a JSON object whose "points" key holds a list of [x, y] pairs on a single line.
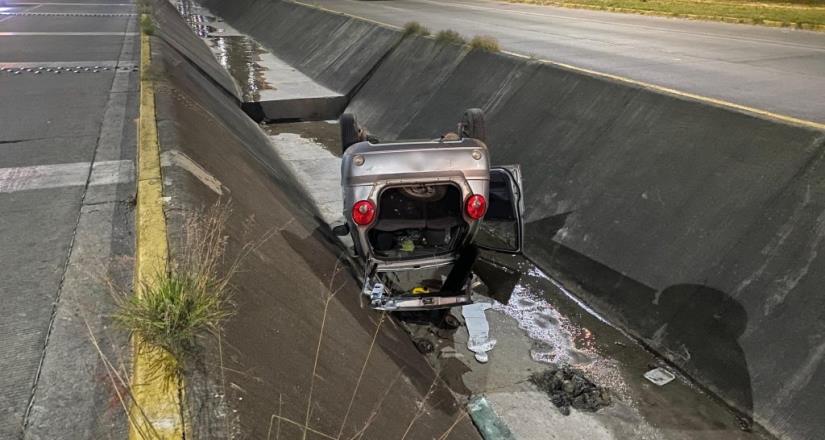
{"points": [[156, 408]]}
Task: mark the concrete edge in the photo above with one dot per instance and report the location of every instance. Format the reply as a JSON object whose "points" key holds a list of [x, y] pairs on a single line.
{"points": [[156, 407]]}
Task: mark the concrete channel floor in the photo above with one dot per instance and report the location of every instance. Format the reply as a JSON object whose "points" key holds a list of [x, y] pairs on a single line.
{"points": [[68, 99], [773, 69], [541, 324]]}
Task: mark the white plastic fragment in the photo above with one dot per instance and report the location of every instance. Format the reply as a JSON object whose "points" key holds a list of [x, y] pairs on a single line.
{"points": [[660, 376], [479, 341]]}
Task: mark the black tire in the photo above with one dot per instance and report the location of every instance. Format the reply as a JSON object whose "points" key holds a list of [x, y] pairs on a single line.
{"points": [[349, 130], [451, 322], [473, 126], [424, 345]]}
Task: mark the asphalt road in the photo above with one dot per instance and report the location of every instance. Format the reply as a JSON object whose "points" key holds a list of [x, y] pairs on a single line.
{"points": [[68, 94], [776, 70]]}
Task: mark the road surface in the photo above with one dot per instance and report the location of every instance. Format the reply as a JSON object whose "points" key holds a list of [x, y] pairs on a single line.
{"points": [[775, 70], [67, 99]]}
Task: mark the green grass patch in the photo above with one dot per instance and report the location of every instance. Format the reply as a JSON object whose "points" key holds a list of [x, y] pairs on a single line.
{"points": [[415, 28], [147, 26], [802, 13], [485, 43], [450, 37], [188, 302]]}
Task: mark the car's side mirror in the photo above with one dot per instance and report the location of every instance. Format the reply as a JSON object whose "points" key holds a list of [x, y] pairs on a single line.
{"points": [[501, 229]]}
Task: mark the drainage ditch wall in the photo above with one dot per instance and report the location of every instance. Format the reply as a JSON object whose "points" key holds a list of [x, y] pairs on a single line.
{"points": [[300, 338], [696, 228]]}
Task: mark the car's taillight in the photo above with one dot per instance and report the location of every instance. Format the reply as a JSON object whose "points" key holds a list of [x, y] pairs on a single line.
{"points": [[363, 212], [476, 206]]}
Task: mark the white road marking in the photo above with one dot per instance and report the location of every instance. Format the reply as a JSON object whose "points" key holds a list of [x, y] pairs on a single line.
{"points": [[65, 175]]}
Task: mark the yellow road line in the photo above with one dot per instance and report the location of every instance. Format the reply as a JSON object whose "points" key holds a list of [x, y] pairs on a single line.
{"points": [[156, 410], [661, 89]]}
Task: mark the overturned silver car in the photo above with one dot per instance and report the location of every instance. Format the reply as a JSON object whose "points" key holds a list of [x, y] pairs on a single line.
{"points": [[419, 212]]}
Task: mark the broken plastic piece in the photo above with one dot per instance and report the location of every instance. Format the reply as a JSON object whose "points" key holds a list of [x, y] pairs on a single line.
{"points": [[660, 376], [479, 341], [377, 292]]}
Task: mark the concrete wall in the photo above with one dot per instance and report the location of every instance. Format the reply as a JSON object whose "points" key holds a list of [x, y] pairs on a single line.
{"points": [[696, 228], [170, 28]]}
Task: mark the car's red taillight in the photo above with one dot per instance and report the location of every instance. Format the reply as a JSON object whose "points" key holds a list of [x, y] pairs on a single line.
{"points": [[476, 206], [363, 212]]}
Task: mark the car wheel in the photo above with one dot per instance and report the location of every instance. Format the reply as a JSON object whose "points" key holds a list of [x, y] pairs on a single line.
{"points": [[451, 322], [473, 126], [424, 346], [350, 133]]}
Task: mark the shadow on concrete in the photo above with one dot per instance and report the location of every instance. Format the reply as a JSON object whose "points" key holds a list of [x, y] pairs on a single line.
{"points": [[700, 332], [398, 347], [696, 327]]}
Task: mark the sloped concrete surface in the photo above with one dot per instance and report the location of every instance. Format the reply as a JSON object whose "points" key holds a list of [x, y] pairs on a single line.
{"points": [[265, 362]]}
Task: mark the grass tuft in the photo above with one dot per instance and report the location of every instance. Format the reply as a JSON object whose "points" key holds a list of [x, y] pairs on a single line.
{"points": [[485, 43], [147, 26], [450, 37], [415, 28], [189, 301]]}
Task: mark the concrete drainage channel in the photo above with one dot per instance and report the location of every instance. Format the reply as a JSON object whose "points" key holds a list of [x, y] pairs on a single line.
{"points": [[542, 322]]}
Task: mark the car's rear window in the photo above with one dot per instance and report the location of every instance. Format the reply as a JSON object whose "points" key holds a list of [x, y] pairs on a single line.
{"points": [[417, 222]]}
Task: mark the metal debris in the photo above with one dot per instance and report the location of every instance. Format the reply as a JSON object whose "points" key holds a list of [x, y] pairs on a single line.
{"points": [[568, 387], [660, 376]]}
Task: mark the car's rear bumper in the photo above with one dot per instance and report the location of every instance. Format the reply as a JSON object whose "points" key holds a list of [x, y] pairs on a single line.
{"points": [[420, 302]]}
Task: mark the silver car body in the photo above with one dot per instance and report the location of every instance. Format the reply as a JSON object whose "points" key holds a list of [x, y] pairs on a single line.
{"points": [[368, 169]]}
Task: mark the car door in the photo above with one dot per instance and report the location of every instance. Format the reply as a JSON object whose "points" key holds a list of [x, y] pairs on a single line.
{"points": [[502, 229], [500, 235]]}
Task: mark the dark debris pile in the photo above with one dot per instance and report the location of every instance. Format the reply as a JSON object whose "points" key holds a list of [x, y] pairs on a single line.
{"points": [[568, 387]]}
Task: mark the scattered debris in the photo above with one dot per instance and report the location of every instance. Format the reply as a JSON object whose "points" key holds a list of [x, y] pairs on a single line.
{"points": [[660, 376], [489, 424], [568, 387], [479, 341]]}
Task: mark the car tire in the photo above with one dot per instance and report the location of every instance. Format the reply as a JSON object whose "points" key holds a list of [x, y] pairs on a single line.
{"points": [[424, 346], [473, 126], [451, 321], [349, 130]]}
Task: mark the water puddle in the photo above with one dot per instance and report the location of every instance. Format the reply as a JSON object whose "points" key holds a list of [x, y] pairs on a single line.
{"points": [[324, 134], [241, 56], [557, 340]]}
